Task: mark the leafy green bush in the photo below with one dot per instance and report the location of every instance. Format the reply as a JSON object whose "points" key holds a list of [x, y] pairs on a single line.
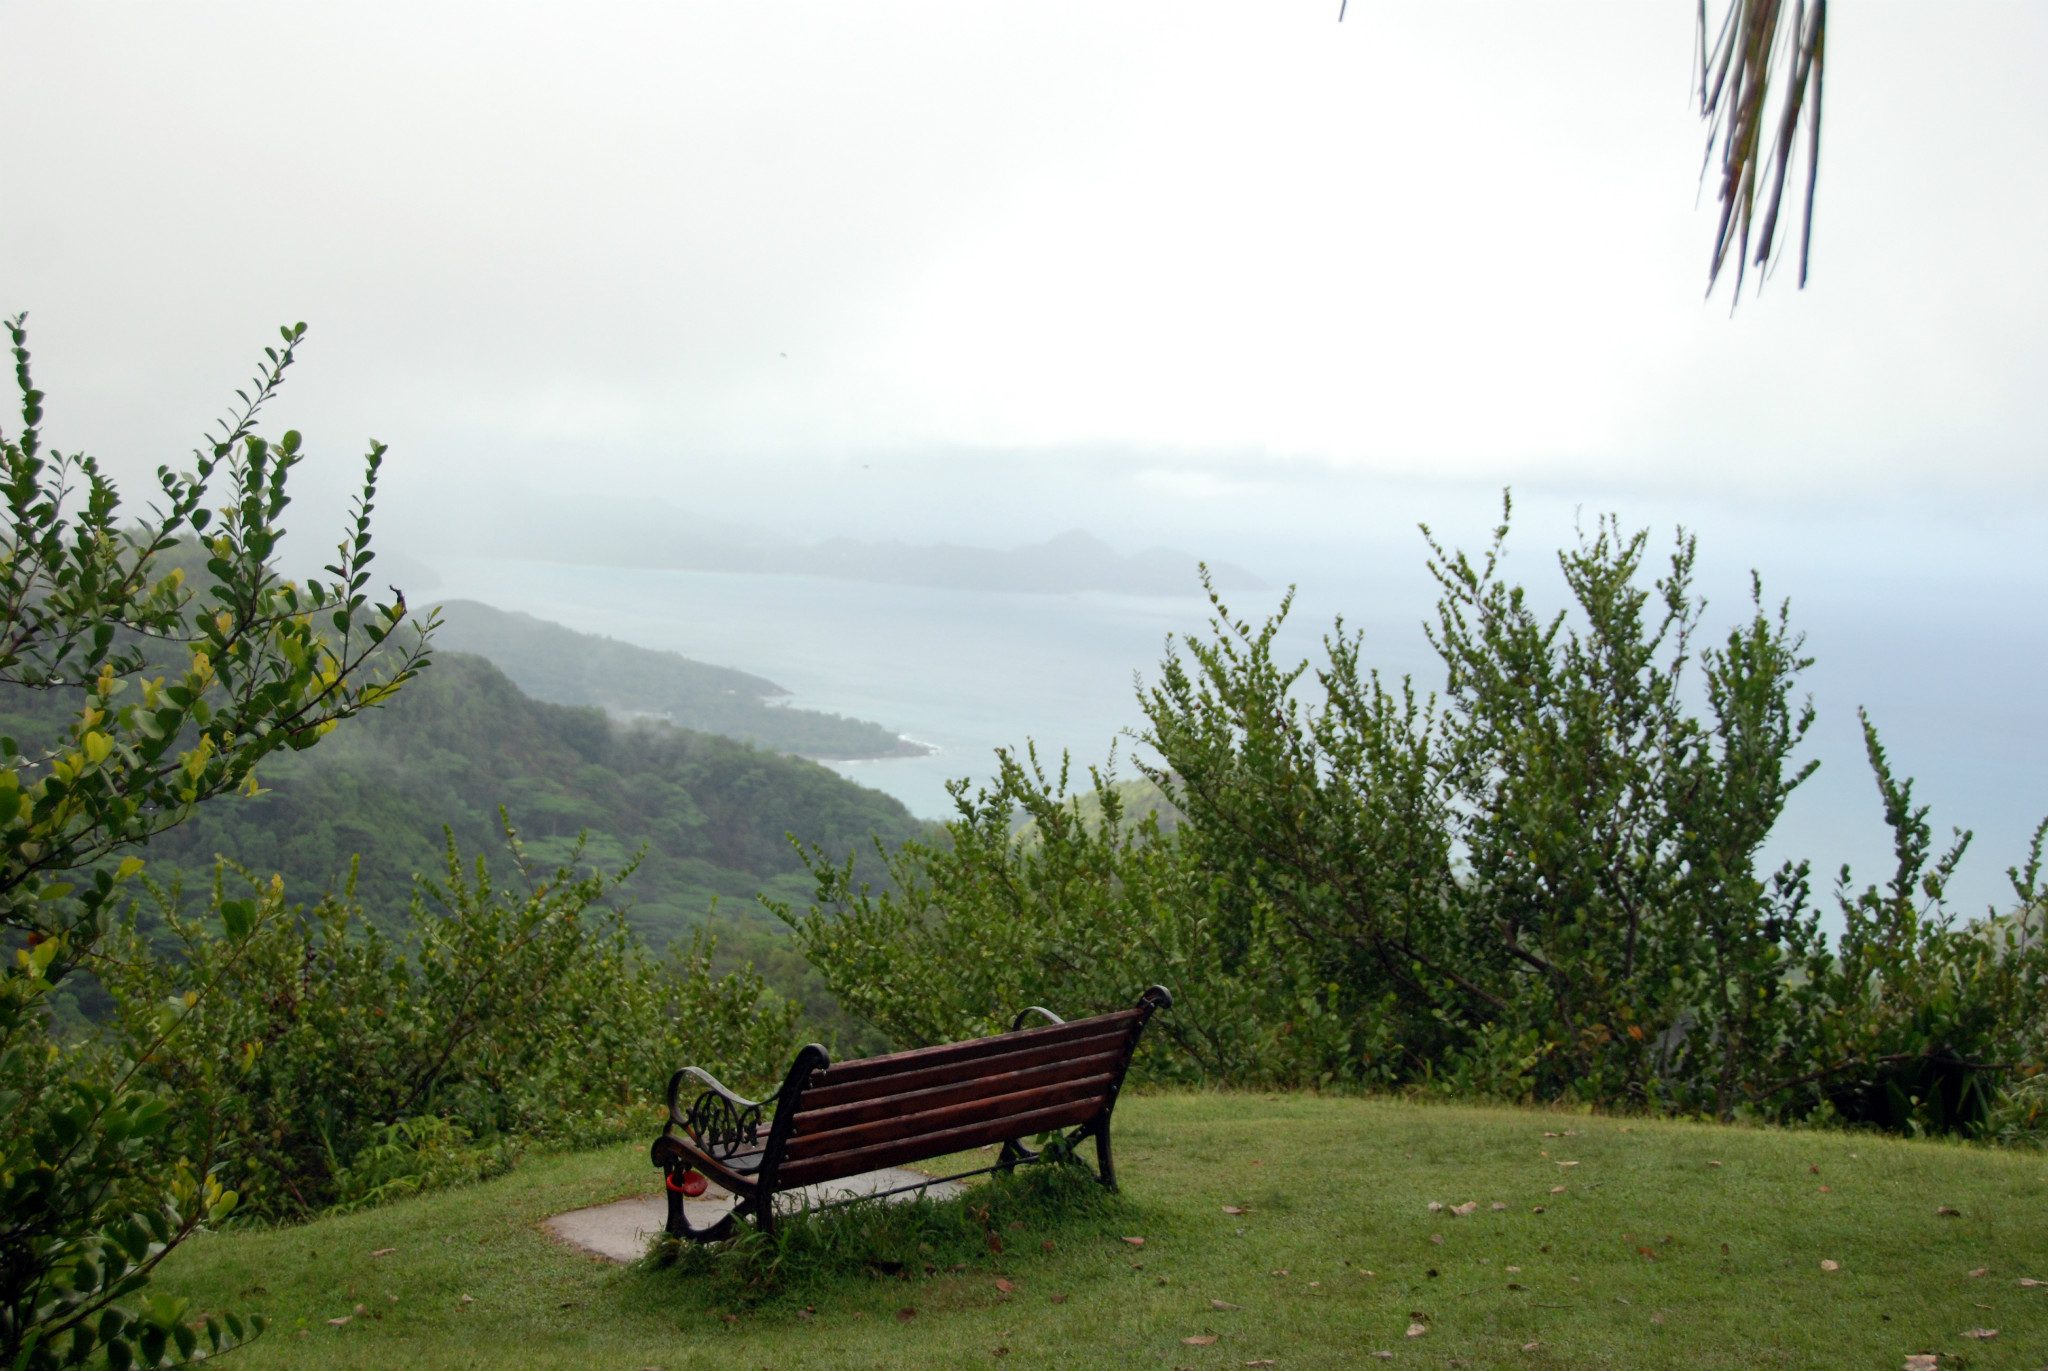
{"points": [[1543, 884], [344, 1066], [1079, 917]]}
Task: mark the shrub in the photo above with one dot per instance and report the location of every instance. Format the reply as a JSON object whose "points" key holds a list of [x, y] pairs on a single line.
{"points": [[1080, 915], [344, 1066], [1543, 884]]}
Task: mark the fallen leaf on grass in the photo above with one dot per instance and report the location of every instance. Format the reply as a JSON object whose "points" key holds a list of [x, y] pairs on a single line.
{"points": [[1004, 1286], [1498, 1206], [1531, 1346], [1513, 1269], [1416, 1330], [1046, 1244], [1059, 1299], [1002, 1352], [2031, 1283], [1647, 1253], [1224, 1304], [1981, 1334], [1814, 1169], [734, 1318], [1537, 1209], [995, 1244], [336, 1323], [1263, 1361], [1513, 1286], [1232, 1209], [1713, 1163], [1135, 1242], [1384, 1356], [1567, 1163], [903, 1315], [1435, 1207], [383, 1251], [1943, 1211], [1920, 1361], [465, 1300], [1550, 1135], [1985, 1271], [1461, 1210], [1281, 1272], [1437, 1238], [1557, 1190], [1200, 1340], [1825, 1190], [360, 1309], [1830, 1265]]}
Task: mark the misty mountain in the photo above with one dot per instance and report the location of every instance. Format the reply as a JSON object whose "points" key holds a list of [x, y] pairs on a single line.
{"points": [[648, 533]]}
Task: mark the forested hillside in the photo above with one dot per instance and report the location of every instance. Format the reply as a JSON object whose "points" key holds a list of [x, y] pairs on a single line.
{"points": [[711, 812], [551, 662]]}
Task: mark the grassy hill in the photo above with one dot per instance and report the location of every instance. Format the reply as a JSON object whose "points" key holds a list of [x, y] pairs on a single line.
{"points": [[562, 666], [1594, 1242], [711, 812]]}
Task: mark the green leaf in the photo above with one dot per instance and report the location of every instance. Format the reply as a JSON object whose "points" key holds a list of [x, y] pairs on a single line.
{"points": [[237, 917]]}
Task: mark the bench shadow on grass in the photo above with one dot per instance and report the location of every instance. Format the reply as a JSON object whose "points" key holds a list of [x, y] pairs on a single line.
{"points": [[997, 1226]]}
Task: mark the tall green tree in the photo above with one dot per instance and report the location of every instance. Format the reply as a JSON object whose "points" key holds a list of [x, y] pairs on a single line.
{"points": [[173, 693]]}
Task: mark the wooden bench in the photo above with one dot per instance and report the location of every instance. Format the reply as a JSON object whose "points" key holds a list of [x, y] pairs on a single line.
{"points": [[834, 1121]]}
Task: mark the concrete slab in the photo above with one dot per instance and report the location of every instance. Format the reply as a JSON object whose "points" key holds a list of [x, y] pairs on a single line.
{"points": [[619, 1231]]}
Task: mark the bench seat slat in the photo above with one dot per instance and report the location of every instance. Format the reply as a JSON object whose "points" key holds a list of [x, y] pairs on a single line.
{"points": [[813, 1120], [918, 1127], [1018, 1056], [862, 1068], [840, 1164]]}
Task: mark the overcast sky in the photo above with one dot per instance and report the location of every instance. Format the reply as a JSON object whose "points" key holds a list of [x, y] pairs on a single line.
{"points": [[1234, 278], [1455, 242]]}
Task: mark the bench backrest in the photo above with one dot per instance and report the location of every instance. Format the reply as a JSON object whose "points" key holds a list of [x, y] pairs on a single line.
{"points": [[907, 1106]]}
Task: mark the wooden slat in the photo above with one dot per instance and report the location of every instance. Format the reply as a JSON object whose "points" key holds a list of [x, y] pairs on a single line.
{"points": [[832, 1092], [910, 1127], [840, 1164], [977, 1087], [863, 1068]]}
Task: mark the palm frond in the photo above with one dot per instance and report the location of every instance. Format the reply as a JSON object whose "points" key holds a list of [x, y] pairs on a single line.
{"points": [[1760, 45]]}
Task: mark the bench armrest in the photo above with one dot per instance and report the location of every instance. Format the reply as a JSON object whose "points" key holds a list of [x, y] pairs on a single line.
{"points": [[1029, 1009], [721, 1121]]}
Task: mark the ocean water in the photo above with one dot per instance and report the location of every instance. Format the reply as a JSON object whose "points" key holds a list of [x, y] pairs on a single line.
{"points": [[1955, 681]]}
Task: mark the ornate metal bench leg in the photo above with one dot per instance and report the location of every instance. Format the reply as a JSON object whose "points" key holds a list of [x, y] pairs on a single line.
{"points": [[1105, 1165], [679, 1224]]}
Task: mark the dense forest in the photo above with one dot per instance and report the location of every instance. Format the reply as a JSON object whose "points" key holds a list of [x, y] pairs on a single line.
{"points": [[713, 815]]}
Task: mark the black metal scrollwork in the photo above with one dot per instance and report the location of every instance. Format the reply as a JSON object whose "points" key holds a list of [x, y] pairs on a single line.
{"points": [[721, 1125]]}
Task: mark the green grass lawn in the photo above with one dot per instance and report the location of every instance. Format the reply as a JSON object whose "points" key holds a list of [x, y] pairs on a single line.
{"points": [[1624, 1244]]}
